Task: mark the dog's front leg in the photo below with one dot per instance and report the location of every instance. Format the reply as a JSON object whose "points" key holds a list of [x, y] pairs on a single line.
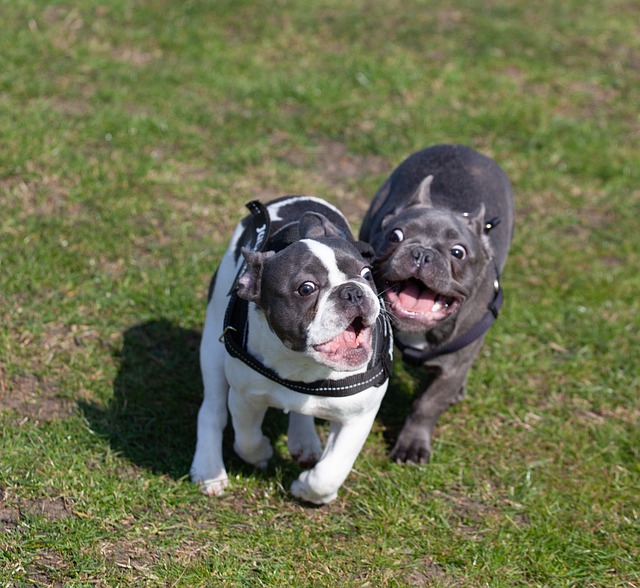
{"points": [[247, 416], [320, 485], [207, 468], [447, 388]]}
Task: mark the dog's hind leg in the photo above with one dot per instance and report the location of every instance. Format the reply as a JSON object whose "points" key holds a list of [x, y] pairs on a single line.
{"points": [[302, 440], [247, 416]]}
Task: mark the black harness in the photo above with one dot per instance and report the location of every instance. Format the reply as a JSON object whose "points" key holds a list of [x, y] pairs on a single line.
{"points": [[236, 330]]}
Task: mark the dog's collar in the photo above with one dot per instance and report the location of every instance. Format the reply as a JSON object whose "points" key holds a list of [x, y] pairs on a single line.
{"points": [[236, 329], [416, 356]]}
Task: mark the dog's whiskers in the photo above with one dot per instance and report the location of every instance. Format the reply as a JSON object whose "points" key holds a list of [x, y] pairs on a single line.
{"points": [[388, 312], [381, 292]]}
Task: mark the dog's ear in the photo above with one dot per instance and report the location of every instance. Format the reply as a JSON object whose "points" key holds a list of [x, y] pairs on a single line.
{"points": [[422, 196], [366, 251], [478, 225], [249, 283], [313, 225], [476, 220]]}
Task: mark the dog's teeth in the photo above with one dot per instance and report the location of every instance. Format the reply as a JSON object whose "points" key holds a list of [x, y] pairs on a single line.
{"points": [[441, 303]]}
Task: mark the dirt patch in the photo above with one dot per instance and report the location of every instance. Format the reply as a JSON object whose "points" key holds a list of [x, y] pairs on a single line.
{"points": [[472, 514], [463, 505], [13, 510], [57, 336], [39, 398], [584, 412], [132, 557], [44, 565], [427, 573], [52, 509], [43, 197], [9, 517], [599, 416], [334, 162], [33, 398]]}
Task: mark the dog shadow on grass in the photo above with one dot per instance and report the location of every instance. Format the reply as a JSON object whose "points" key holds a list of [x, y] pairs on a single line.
{"points": [[151, 419]]}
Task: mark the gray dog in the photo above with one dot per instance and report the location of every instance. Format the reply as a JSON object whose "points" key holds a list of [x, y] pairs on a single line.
{"points": [[440, 226]]}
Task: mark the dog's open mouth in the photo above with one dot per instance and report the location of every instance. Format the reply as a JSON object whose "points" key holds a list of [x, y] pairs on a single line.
{"points": [[351, 348], [412, 300]]}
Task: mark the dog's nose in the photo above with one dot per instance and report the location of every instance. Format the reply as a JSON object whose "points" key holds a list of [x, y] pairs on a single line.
{"points": [[352, 293], [421, 255]]}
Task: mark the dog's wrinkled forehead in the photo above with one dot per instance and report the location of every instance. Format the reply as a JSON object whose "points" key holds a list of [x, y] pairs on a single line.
{"points": [[331, 261], [339, 256], [429, 221]]}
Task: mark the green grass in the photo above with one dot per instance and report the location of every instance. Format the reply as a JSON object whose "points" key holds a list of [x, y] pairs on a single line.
{"points": [[132, 134]]}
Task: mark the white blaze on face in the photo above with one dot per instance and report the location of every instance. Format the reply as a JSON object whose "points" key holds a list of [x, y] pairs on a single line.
{"points": [[328, 258], [329, 322]]}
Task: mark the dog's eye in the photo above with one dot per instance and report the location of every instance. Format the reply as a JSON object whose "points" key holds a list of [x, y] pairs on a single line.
{"points": [[396, 236], [366, 274], [458, 251], [306, 288]]}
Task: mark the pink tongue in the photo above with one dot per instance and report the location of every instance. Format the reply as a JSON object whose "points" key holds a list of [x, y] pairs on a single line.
{"points": [[417, 299], [345, 340]]}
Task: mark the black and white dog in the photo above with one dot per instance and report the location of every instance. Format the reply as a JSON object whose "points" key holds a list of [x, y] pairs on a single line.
{"points": [[440, 226], [293, 322]]}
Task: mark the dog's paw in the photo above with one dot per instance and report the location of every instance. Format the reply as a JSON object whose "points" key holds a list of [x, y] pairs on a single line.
{"points": [[302, 490], [308, 453], [411, 450], [214, 487], [307, 458]]}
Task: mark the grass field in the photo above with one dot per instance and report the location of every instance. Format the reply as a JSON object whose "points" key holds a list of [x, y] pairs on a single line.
{"points": [[132, 134]]}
